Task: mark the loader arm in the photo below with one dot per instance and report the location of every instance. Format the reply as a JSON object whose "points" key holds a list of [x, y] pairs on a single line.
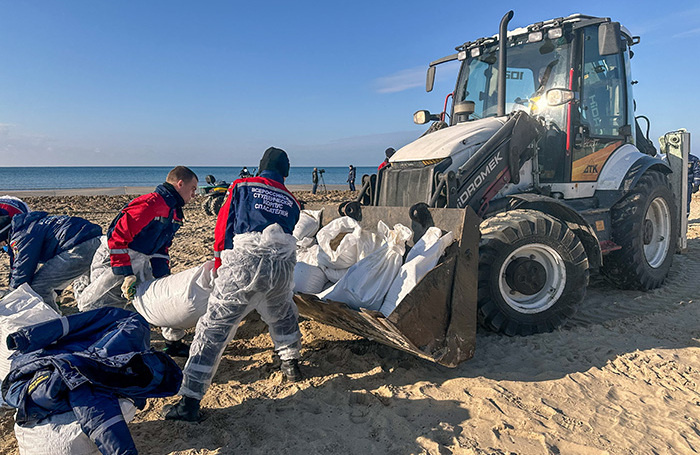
{"points": [[496, 163]]}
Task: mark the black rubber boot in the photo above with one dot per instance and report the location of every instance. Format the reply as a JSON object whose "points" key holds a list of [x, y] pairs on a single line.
{"points": [[187, 409], [176, 349], [290, 370]]}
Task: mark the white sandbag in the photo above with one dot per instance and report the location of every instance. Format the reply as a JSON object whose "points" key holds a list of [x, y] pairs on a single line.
{"points": [[306, 242], [334, 275], [420, 260], [61, 434], [308, 279], [354, 246], [20, 308], [103, 281], [308, 224], [367, 282], [176, 301], [308, 255]]}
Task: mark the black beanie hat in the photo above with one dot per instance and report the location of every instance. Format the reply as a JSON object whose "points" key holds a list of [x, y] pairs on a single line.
{"points": [[5, 227], [275, 159]]}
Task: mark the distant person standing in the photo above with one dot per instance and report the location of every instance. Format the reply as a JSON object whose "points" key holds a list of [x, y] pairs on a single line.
{"points": [[388, 153], [244, 174], [693, 177], [314, 180], [351, 178]]}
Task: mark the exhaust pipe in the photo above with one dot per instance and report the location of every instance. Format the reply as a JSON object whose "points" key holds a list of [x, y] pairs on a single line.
{"points": [[502, 62]]}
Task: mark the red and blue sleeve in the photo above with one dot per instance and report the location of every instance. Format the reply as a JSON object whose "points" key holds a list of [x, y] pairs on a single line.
{"points": [[135, 217]]}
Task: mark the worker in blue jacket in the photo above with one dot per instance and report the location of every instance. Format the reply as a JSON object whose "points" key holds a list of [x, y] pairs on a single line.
{"points": [[693, 177], [62, 245], [84, 363]]}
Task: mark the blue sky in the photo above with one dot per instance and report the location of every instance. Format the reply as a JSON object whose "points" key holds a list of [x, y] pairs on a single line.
{"points": [[97, 82]]}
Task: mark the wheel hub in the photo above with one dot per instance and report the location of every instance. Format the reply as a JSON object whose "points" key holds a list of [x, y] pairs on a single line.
{"points": [[648, 234], [526, 276]]}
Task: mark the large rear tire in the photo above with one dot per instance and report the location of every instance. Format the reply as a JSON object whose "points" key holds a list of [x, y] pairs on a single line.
{"points": [[206, 206], [216, 203], [533, 273], [645, 225]]}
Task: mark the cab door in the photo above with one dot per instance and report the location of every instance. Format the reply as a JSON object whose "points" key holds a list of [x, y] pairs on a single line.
{"points": [[602, 109]]}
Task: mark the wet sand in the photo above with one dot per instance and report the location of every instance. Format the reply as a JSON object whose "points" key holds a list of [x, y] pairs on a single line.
{"points": [[622, 377]]}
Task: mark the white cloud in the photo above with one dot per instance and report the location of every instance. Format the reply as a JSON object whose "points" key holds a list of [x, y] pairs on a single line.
{"points": [[688, 33], [401, 80]]}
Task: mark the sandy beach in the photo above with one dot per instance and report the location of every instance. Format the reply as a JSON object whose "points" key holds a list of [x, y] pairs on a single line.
{"points": [[622, 377]]}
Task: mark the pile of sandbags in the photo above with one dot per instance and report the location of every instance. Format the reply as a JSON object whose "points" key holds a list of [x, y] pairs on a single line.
{"points": [[367, 281], [362, 269], [424, 255]]}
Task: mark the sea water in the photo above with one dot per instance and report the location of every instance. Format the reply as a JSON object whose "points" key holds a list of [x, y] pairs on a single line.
{"points": [[44, 178]]}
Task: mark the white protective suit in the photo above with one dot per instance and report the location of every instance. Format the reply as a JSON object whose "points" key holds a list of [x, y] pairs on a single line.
{"points": [[105, 286], [257, 274]]}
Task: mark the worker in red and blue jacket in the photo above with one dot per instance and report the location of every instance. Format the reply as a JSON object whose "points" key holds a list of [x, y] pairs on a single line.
{"points": [[255, 257], [48, 252], [145, 227]]}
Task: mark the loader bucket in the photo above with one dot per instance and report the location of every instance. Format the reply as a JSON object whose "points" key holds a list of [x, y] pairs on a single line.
{"points": [[437, 319]]}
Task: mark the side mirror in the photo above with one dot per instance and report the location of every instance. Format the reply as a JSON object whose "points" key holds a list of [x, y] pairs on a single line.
{"points": [[609, 38], [559, 96], [430, 79], [421, 117]]}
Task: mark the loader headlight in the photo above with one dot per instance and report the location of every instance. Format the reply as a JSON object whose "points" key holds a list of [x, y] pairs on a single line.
{"points": [[554, 33], [534, 37]]}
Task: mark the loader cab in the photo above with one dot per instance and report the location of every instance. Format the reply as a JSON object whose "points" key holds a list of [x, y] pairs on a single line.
{"points": [[573, 74]]}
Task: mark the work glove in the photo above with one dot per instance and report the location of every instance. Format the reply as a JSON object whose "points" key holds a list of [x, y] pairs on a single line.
{"points": [[129, 287]]}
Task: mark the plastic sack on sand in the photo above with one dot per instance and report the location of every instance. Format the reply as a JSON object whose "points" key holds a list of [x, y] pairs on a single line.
{"points": [[20, 308], [308, 224], [420, 260], [367, 282], [343, 243], [176, 301], [308, 279], [61, 434]]}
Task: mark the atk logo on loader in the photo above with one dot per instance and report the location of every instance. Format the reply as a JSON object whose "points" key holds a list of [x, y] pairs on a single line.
{"points": [[479, 180], [591, 169]]}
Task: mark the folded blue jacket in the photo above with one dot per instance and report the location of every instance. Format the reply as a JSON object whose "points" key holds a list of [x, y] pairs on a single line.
{"points": [[85, 362]]}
